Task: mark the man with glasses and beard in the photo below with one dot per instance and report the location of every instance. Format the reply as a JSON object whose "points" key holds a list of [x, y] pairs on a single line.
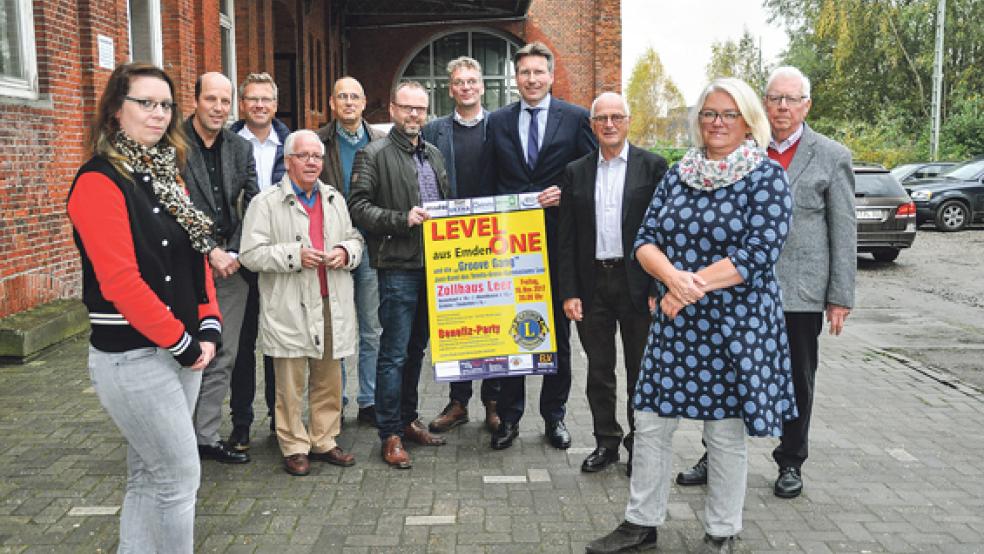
{"points": [[392, 178]]}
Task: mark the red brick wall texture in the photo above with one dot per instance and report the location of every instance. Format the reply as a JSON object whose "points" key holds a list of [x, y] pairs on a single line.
{"points": [[41, 141]]}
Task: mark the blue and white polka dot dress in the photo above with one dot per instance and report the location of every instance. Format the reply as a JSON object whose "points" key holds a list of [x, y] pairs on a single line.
{"points": [[727, 355]]}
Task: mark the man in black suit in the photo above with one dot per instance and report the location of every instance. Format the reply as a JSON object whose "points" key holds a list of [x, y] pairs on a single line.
{"points": [[220, 170], [528, 145], [604, 198]]}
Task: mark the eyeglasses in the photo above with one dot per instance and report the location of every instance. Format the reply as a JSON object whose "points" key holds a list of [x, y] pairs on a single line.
{"points": [[776, 99], [411, 109], [727, 118], [615, 119], [151, 105], [259, 99], [349, 96], [463, 82], [307, 156]]}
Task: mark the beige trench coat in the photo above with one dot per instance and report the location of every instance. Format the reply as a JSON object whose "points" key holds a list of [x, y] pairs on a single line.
{"points": [[291, 311]]}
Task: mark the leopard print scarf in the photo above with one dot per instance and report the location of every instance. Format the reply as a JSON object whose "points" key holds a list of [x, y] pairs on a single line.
{"points": [[160, 163]]}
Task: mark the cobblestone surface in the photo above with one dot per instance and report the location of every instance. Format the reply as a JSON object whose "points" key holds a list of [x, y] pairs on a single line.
{"points": [[896, 465]]}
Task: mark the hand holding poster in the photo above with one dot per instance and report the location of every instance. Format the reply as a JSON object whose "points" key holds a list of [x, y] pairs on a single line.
{"points": [[488, 282]]}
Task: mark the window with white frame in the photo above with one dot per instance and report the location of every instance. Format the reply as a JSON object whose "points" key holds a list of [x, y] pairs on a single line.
{"points": [[145, 32], [227, 28], [429, 66], [18, 68]]}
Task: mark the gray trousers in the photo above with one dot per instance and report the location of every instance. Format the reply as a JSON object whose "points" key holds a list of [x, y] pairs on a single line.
{"points": [[231, 293], [150, 398], [652, 465]]}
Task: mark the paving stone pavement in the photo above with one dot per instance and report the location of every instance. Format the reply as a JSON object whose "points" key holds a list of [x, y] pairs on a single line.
{"points": [[896, 465]]}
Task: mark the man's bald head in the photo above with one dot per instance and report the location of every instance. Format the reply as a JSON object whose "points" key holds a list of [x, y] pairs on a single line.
{"points": [[348, 101], [213, 78]]}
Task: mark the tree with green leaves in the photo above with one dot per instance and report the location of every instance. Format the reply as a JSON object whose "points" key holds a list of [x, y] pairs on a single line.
{"points": [[871, 63], [654, 103], [741, 59]]}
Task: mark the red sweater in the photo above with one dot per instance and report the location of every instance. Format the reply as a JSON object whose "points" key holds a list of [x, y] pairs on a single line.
{"points": [[316, 230], [786, 157]]}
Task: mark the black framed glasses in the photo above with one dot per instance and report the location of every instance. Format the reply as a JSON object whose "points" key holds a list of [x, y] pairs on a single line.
{"points": [[148, 105], [727, 117], [411, 109]]}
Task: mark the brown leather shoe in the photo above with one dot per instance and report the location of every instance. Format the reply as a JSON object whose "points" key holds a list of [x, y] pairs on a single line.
{"points": [[416, 432], [297, 465], [453, 415], [394, 454], [492, 420], [335, 456]]}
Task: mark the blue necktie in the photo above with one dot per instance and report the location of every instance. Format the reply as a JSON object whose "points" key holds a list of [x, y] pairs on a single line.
{"points": [[533, 142]]}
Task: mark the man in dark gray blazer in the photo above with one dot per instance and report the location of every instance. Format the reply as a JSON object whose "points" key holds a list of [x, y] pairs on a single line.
{"points": [[818, 263], [603, 200], [460, 136], [219, 172]]}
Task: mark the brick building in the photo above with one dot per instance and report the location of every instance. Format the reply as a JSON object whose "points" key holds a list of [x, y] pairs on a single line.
{"points": [[55, 57]]}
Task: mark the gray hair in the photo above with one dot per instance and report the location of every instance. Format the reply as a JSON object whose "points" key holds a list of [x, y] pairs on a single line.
{"points": [[463, 62], [609, 94], [748, 103], [258, 78], [790, 72], [291, 138]]}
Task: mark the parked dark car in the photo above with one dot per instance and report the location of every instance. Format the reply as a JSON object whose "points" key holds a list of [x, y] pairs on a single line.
{"points": [[953, 200], [886, 216], [907, 173]]}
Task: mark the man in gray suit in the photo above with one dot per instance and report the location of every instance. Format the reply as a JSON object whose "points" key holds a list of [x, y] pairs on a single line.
{"points": [[220, 170], [817, 266]]}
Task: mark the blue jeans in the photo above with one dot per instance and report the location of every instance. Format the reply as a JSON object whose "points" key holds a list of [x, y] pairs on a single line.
{"points": [[367, 311], [150, 399], [403, 313]]}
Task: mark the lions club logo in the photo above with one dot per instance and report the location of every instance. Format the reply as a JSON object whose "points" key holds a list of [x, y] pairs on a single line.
{"points": [[528, 329]]}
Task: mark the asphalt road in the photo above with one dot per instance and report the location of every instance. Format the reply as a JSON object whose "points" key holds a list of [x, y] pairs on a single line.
{"points": [[928, 305]]}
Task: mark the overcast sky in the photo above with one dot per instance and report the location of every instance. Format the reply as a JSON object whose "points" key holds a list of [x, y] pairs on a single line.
{"points": [[682, 33]]}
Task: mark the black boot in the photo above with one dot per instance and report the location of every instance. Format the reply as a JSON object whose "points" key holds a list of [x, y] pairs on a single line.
{"points": [[696, 475], [627, 537]]}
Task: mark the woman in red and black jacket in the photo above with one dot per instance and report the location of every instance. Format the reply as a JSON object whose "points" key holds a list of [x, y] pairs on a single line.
{"points": [[148, 288]]}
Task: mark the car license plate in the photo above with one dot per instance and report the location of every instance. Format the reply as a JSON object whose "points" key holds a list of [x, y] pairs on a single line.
{"points": [[869, 215]]}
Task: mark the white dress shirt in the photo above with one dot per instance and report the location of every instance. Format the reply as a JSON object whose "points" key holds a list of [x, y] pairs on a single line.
{"points": [[541, 121], [788, 143], [469, 122], [265, 154], [609, 190]]}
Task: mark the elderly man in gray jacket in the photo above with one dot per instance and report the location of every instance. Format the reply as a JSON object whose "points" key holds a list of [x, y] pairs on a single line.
{"points": [[298, 236], [817, 267]]}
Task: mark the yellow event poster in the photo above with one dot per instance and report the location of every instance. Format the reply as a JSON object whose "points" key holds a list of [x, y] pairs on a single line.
{"points": [[488, 288]]}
